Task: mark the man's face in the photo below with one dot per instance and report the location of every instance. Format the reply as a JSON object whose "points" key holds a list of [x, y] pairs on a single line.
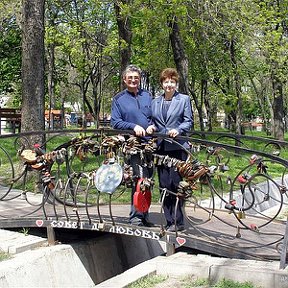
{"points": [[132, 80]]}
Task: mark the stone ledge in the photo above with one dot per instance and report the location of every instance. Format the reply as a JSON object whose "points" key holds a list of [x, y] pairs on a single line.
{"points": [[261, 273], [14, 242]]}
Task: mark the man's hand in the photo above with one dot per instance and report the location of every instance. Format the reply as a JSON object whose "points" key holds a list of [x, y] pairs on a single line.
{"points": [[150, 129], [173, 133], [139, 131]]}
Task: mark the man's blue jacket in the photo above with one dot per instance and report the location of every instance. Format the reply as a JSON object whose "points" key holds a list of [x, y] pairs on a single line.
{"points": [[129, 110]]}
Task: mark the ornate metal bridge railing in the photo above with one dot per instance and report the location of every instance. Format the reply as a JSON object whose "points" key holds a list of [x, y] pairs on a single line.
{"points": [[234, 188]]}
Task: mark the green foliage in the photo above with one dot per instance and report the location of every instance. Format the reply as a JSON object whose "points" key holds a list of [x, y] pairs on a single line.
{"points": [[147, 282], [225, 283], [186, 282], [10, 57], [4, 256], [223, 41], [25, 231]]}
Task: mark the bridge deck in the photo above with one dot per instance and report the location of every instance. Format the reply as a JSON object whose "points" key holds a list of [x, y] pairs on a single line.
{"points": [[217, 232]]}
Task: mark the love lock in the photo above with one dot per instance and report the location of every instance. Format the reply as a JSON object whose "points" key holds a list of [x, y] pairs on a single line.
{"points": [[142, 196], [231, 204], [241, 215]]}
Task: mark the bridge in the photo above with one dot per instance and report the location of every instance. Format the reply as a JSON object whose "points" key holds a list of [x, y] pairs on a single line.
{"points": [[234, 189]]}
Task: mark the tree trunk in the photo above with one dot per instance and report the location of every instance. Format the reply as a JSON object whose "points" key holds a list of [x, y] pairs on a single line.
{"points": [[209, 109], [125, 38], [50, 79], [237, 88], [261, 99], [180, 57], [199, 104], [96, 81], [278, 110], [33, 66]]}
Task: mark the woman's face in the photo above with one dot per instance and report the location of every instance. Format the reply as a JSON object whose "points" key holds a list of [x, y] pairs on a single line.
{"points": [[169, 85]]}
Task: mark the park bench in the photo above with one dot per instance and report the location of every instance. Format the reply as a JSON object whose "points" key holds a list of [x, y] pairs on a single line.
{"points": [[104, 123], [12, 118]]}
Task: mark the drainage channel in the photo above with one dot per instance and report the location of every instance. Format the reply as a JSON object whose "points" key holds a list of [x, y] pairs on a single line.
{"points": [[79, 260]]}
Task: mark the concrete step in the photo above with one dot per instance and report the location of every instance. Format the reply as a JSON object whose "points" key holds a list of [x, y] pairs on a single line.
{"points": [[15, 242], [264, 274]]}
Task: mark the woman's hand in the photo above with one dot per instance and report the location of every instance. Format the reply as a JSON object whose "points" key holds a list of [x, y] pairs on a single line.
{"points": [[151, 129], [173, 133]]}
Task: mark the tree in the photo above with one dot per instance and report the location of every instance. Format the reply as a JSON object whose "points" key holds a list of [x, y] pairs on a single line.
{"points": [[270, 35], [231, 55], [180, 57], [33, 66], [77, 39], [125, 35]]}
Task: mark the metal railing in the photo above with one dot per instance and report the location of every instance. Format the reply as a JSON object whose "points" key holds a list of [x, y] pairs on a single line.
{"points": [[226, 180]]}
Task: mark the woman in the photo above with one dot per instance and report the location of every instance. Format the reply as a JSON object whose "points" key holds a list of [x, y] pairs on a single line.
{"points": [[171, 115]]}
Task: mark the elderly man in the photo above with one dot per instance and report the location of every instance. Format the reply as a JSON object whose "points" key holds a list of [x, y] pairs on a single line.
{"points": [[131, 110]]}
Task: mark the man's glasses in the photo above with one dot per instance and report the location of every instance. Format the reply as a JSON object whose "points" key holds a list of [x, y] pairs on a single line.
{"points": [[133, 77]]}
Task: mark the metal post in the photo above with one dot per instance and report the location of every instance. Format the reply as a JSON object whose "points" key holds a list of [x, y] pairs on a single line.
{"points": [[170, 246], [170, 249], [51, 235], [283, 255]]}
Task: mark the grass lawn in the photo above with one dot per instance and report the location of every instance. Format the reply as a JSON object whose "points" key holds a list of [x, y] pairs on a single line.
{"points": [[187, 282]]}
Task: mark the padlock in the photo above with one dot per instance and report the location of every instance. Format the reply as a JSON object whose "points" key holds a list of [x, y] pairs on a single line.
{"points": [[170, 163], [175, 161], [142, 196], [241, 215], [160, 160], [166, 160], [231, 204], [155, 159]]}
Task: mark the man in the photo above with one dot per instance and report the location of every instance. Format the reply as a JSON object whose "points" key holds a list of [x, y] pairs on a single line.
{"points": [[131, 110]]}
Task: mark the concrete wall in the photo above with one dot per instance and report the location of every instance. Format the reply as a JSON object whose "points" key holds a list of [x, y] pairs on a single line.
{"points": [[77, 265], [110, 255], [264, 274]]}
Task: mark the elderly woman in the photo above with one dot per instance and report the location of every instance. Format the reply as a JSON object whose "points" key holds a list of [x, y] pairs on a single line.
{"points": [[171, 115]]}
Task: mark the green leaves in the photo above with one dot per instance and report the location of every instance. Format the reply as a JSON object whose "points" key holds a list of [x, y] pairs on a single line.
{"points": [[10, 57], [224, 40]]}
